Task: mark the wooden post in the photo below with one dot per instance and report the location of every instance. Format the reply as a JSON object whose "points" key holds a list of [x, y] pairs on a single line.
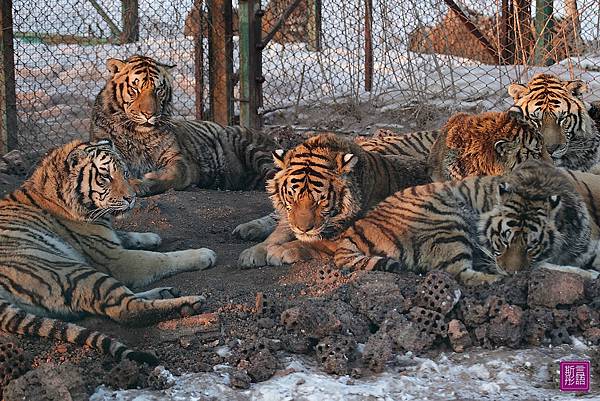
{"points": [[8, 99], [368, 45], [543, 29], [131, 21], [220, 50], [314, 24], [250, 60], [199, 61]]}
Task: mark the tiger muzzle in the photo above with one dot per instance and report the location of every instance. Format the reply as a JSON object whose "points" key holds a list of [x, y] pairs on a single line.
{"points": [[515, 256]]}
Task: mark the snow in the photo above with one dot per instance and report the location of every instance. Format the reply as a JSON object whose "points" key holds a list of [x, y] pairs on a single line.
{"points": [[501, 374]]}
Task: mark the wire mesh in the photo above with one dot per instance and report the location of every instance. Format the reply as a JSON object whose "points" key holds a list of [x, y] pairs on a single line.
{"points": [[374, 58]]}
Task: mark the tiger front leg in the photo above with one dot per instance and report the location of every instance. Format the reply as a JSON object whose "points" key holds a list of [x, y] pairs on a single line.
{"points": [[135, 240], [176, 175], [139, 268], [257, 229], [294, 251]]}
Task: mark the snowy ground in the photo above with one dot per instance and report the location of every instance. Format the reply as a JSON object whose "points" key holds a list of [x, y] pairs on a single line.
{"points": [[501, 374]]}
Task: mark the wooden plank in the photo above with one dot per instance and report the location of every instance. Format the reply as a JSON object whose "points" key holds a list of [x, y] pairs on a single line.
{"points": [[8, 99], [314, 25], [250, 69], [131, 21], [368, 45], [220, 50], [199, 63]]}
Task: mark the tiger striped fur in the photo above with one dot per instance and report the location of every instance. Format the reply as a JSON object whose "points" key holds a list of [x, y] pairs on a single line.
{"points": [[323, 185], [134, 110], [61, 259], [483, 227], [484, 144], [383, 141], [556, 108]]}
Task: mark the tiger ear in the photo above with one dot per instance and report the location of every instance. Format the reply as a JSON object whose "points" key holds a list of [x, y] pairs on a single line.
{"points": [[516, 90], [576, 87], [501, 147], [346, 162], [278, 158], [75, 156], [114, 65], [503, 188], [554, 201]]}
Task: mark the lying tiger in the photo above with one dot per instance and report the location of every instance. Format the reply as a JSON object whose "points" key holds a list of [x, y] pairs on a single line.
{"points": [[385, 142], [61, 259], [134, 110], [484, 144], [481, 228], [323, 185]]}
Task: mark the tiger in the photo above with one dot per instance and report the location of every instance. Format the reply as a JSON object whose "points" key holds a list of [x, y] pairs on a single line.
{"points": [[556, 108], [135, 111], [414, 144], [488, 143], [322, 186], [482, 228], [60, 258]]}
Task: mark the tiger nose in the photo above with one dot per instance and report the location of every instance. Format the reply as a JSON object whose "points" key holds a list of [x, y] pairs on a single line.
{"points": [[306, 226], [147, 115], [553, 148], [129, 198]]}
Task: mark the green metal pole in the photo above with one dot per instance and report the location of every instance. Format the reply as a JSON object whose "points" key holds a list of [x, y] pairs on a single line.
{"points": [[8, 100], [248, 43], [543, 28]]}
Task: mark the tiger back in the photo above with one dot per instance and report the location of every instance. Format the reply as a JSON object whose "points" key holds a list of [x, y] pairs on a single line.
{"points": [[482, 228], [61, 259], [484, 144], [322, 186]]}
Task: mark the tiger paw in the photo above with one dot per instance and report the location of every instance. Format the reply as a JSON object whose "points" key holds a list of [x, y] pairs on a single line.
{"points": [[160, 293], [191, 305], [140, 187], [290, 252], [254, 256], [255, 230], [194, 259]]}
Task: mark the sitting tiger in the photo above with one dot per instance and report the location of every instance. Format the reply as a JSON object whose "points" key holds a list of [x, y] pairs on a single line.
{"points": [[386, 142], [556, 108], [61, 259], [322, 186], [483, 227], [484, 144], [134, 110]]}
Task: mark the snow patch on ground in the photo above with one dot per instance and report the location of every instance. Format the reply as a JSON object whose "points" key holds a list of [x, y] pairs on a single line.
{"points": [[501, 374]]}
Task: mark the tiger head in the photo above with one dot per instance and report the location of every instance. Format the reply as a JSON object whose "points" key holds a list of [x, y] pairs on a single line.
{"points": [[315, 187], [522, 229], [85, 180], [555, 107], [139, 90]]}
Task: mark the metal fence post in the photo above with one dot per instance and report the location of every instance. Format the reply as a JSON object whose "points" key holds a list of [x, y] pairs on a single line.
{"points": [[131, 21], [199, 61], [543, 28], [220, 50], [250, 71], [314, 24], [8, 100], [368, 45]]}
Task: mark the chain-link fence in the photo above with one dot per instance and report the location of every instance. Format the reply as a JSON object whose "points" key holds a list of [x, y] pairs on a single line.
{"points": [[380, 56], [369, 61]]}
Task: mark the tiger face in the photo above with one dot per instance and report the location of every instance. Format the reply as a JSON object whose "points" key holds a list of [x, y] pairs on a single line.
{"points": [[553, 106], [98, 180], [314, 190], [141, 87], [520, 230]]}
